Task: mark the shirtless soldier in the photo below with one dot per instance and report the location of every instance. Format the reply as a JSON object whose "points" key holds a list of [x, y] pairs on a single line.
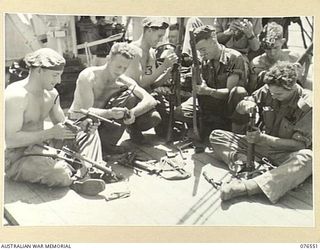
{"points": [[143, 68], [27, 104], [98, 86]]}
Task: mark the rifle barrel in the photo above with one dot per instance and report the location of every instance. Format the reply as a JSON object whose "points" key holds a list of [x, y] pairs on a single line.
{"points": [[88, 113], [195, 80]]}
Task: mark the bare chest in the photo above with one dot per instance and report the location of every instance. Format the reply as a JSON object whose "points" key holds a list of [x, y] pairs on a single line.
{"points": [[148, 63], [37, 109], [104, 92]]}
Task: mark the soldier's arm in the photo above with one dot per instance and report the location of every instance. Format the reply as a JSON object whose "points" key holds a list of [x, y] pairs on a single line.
{"points": [[56, 113], [83, 95], [255, 69], [160, 74], [254, 43], [237, 74], [281, 143], [223, 36], [15, 106], [135, 72], [147, 101]]}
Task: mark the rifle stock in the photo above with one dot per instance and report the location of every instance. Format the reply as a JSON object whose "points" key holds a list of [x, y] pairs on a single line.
{"points": [[305, 57], [175, 98], [305, 60], [195, 81]]}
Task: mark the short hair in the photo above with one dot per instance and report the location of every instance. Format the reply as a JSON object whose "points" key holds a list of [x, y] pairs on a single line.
{"points": [[282, 74], [123, 49], [270, 34], [204, 32], [155, 23], [45, 58]]}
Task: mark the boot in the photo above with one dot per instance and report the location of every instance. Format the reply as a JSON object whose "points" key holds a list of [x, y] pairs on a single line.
{"points": [[90, 187]]}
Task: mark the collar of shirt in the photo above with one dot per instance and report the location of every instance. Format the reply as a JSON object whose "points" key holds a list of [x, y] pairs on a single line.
{"points": [[224, 55], [294, 99]]}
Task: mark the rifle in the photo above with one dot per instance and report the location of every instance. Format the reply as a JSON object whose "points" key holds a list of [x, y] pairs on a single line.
{"points": [[305, 59], [156, 168], [71, 157], [95, 117], [175, 97], [195, 80], [250, 150]]}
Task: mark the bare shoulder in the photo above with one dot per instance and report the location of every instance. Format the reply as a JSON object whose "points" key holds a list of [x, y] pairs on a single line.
{"points": [[258, 60], [87, 75], [293, 55], [16, 91]]}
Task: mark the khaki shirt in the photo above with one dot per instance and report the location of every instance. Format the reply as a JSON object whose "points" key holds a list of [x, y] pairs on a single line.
{"points": [[290, 120], [230, 62]]}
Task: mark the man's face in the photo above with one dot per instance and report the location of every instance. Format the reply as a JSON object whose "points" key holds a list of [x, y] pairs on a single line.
{"points": [[50, 78], [174, 37], [206, 49], [273, 52], [118, 65], [279, 93], [155, 36]]}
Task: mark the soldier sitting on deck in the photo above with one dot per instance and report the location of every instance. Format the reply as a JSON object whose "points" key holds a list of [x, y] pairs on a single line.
{"points": [[222, 85], [286, 140], [272, 41], [105, 91], [28, 103], [143, 67]]}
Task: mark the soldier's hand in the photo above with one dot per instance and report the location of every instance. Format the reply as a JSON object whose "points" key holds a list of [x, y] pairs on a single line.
{"points": [[170, 60], [90, 126], [118, 113], [231, 30], [61, 132], [202, 89], [235, 26], [247, 28], [130, 118], [254, 136], [246, 107]]}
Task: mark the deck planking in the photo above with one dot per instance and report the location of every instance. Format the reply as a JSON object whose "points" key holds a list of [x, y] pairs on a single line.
{"points": [[155, 201]]}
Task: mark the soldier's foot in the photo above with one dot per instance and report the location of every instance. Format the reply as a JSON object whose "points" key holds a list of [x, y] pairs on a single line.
{"points": [[232, 190], [238, 188], [90, 187], [114, 150], [137, 137]]}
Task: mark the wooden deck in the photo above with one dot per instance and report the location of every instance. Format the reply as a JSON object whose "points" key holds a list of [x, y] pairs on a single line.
{"points": [[155, 201]]}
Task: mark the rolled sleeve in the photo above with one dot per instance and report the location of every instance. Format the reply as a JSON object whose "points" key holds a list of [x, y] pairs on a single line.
{"points": [[303, 129]]}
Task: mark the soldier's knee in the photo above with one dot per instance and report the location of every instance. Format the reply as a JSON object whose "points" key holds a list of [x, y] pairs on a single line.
{"points": [[305, 154], [238, 91], [155, 119], [215, 135], [303, 157], [60, 175]]}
